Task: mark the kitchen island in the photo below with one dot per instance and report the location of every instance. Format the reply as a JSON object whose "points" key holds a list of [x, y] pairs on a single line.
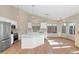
{"points": [[32, 40]]}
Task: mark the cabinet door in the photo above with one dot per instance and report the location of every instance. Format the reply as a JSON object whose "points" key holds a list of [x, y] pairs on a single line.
{"points": [[43, 26], [6, 30], [1, 31]]}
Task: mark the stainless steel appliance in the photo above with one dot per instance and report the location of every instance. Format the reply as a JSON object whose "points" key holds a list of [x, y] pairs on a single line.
{"points": [[14, 32], [5, 35]]}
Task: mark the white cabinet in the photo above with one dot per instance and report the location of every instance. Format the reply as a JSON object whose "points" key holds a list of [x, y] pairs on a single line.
{"points": [[12, 39], [31, 40], [29, 25], [29, 29], [43, 26]]}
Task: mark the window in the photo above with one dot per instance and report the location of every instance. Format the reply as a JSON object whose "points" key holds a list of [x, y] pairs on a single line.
{"points": [[63, 29], [72, 30], [52, 29]]}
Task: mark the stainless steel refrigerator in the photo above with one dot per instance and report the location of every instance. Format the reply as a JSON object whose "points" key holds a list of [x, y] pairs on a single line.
{"points": [[5, 35]]}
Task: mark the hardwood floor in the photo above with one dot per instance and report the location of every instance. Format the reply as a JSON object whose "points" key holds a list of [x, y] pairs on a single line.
{"points": [[13, 49], [51, 46]]}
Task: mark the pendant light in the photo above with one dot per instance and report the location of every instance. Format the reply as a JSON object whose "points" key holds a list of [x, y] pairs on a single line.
{"points": [[33, 6]]}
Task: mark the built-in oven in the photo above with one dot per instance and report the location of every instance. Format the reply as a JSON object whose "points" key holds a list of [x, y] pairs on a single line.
{"points": [[15, 35]]}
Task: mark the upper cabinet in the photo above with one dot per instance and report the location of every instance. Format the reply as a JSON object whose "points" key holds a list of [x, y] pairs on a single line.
{"points": [[43, 25], [37, 27], [1, 31], [29, 25]]}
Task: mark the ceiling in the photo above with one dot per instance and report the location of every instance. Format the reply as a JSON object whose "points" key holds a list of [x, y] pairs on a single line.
{"points": [[55, 12]]}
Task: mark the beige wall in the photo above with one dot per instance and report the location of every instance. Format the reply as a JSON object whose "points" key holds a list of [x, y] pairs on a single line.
{"points": [[22, 21], [39, 19], [22, 17], [74, 19], [36, 20], [16, 14], [6, 11]]}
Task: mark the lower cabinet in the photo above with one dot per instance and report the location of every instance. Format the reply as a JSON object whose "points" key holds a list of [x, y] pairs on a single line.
{"points": [[1, 49], [4, 44]]}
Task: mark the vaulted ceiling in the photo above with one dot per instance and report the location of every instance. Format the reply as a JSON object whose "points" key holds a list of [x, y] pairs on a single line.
{"points": [[52, 11]]}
